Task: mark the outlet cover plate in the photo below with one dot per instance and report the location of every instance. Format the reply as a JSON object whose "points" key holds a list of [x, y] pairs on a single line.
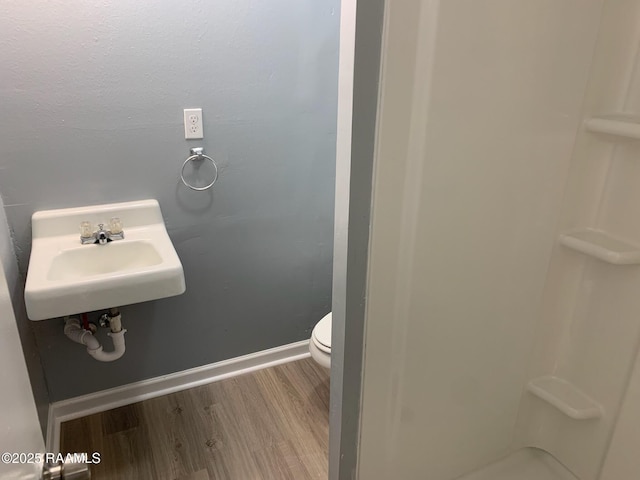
{"points": [[193, 129]]}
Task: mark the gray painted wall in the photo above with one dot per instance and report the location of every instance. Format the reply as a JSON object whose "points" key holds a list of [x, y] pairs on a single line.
{"points": [[92, 95]]}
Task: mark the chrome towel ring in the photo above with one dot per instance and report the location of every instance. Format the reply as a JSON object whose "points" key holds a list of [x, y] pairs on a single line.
{"points": [[197, 154]]}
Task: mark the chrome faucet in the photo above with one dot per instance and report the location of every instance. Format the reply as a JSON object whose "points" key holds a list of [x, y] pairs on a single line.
{"points": [[101, 236]]}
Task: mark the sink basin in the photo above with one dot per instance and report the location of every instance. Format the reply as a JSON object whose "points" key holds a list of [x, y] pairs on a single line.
{"points": [[83, 262], [66, 277]]}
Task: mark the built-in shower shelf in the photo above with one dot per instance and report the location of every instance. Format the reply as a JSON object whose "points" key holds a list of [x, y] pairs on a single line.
{"points": [[620, 124], [601, 245], [565, 397]]}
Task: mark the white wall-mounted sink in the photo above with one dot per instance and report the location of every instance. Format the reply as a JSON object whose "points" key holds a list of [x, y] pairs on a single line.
{"points": [[66, 277]]}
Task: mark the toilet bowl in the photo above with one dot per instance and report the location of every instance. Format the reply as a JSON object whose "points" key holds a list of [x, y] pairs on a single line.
{"points": [[320, 342]]}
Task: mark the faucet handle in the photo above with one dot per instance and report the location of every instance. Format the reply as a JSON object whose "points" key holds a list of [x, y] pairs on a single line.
{"points": [[115, 225], [86, 229], [100, 226]]}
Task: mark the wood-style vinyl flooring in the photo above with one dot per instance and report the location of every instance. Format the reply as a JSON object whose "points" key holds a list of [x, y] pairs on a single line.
{"points": [[271, 424]]}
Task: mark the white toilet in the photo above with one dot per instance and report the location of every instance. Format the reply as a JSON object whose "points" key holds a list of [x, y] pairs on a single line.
{"points": [[320, 342]]}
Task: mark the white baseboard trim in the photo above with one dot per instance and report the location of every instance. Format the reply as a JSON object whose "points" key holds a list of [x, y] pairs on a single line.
{"points": [[84, 405]]}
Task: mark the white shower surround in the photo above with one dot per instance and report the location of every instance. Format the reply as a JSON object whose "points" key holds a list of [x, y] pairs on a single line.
{"points": [[482, 112]]}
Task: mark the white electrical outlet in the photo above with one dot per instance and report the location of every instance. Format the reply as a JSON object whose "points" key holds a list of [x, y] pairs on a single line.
{"points": [[193, 123]]}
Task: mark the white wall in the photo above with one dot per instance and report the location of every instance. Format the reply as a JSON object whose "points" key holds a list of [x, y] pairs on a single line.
{"points": [[19, 427], [14, 317], [475, 142]]}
